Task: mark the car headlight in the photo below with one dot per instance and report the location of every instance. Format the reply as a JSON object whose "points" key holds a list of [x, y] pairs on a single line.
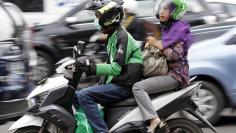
{"points": [[37, 100]]}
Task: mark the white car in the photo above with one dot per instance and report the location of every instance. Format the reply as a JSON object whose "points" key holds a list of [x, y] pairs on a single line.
{"points": [[225, 9]]}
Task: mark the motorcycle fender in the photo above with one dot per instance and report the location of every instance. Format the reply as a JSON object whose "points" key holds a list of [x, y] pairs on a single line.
{"points": [[26, 121]]}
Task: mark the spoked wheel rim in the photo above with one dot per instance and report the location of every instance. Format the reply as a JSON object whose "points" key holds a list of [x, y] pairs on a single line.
{"points": [[207, 103]]}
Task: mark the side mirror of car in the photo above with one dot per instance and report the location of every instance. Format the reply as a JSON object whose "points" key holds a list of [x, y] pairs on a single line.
{"points": [[71, 20]]}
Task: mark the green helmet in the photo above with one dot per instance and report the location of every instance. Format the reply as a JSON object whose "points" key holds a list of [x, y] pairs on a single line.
{"points": [[177, 8]]}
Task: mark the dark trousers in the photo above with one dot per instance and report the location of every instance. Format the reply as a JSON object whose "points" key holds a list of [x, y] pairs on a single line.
{"points": [[89, 97]]}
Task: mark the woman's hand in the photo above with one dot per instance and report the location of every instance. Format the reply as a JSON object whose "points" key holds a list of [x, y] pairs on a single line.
{"points": [[146, 45], [153, 42]]}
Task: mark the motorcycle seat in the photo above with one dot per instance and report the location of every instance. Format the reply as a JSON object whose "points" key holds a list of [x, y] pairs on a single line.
{"points": [[130, 101]]}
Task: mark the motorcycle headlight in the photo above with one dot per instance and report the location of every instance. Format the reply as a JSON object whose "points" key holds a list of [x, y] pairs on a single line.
{"points": [[31, 102], [37, 100]]}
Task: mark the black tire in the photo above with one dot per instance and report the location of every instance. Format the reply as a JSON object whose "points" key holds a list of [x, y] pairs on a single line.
{"points": [[44, 66], [219, 99], [2, 122], [31, 129], [181, 125]]}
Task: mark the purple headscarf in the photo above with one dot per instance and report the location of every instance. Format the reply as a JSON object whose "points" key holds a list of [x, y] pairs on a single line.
{"points": [[177, 31]]}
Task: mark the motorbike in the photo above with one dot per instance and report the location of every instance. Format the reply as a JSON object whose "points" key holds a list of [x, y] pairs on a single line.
{"points": [[52, 109]]}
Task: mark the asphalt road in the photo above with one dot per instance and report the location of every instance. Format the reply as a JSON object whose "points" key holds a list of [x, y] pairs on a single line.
{"points": [[226, 125]]}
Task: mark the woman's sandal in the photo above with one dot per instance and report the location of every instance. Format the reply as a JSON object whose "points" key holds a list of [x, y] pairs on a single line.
{"points": [[160, 128]]}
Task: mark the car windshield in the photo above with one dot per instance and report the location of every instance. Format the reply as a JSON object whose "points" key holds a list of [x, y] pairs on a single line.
{"points": [[84, 16], [194, 6], [216, 7], [80, 12], [231, 8], [146, 8]]}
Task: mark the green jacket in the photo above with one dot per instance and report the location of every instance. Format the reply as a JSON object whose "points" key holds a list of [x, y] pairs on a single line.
{"points": [[124, 66]]}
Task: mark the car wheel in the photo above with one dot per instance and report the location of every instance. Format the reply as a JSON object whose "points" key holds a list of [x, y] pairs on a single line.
{"points": [[210, 101], [44, 67]]}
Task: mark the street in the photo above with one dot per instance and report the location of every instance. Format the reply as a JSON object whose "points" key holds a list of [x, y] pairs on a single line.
{"points": [[226, 125]]}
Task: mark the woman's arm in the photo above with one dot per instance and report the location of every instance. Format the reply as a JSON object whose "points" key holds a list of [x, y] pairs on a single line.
{"points": [[172, 52], [176, 52]]}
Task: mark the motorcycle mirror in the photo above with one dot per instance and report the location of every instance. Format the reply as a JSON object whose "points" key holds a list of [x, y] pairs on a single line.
{"points": [[80, 45], [78, 48]]}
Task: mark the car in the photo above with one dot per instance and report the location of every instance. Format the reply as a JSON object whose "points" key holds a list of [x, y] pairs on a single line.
{"points": [[213, 61], [210, 31], [14, 62], [224, 9], [13, 82], [55, 40]]}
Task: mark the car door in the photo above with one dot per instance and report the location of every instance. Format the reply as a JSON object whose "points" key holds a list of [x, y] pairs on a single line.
{"points": [[231, 48]]}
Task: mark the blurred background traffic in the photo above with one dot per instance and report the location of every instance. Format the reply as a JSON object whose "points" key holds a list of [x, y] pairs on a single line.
{"points": [[35, 34]]}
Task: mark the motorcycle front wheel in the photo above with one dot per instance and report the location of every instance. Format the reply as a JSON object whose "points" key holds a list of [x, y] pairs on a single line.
{"points": [[30, 129], [180, 125]]}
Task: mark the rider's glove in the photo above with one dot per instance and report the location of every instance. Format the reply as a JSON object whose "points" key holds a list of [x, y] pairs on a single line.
{"points": [[87, 67]]}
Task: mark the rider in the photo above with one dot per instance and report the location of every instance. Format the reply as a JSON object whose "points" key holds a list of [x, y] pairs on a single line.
{"points": [[123, 67], [174, 44]]}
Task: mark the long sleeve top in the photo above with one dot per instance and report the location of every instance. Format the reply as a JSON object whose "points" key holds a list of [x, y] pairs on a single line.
{"points": [[176, 40]]}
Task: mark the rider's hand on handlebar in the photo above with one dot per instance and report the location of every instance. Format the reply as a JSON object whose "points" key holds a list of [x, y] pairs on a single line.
{"points": [[85, 66]]}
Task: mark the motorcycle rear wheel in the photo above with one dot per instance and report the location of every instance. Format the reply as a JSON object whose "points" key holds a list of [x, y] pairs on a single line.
{"points": [[180, 125]]}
